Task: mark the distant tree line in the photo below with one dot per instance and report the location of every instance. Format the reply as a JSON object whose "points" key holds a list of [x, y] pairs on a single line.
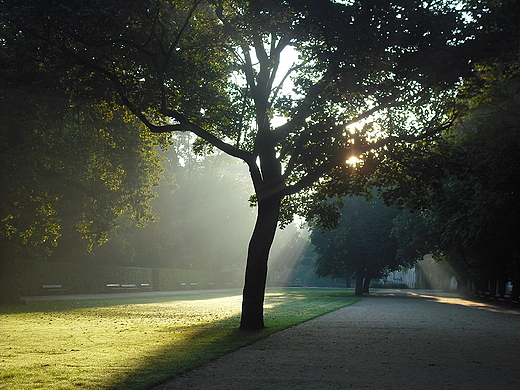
{"points": [[362, 246]]}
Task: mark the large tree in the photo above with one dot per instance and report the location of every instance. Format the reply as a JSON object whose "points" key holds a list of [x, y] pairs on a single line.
{"points": [[466, 208], [464, 187], [362, 246], [215, 68]]}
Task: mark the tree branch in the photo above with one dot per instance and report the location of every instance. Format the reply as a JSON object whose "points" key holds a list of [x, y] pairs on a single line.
{"points": [[177, 39], [278, 88], [311, 177], [339, 159], [405, 138], [182, 125], [303, 110], [200, 132]]}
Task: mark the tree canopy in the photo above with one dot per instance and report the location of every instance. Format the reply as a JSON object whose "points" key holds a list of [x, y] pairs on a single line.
{"points": [[467, 210], [463, 187]]}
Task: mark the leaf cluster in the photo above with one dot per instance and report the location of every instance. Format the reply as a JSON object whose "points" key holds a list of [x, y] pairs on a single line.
{"points": [[72, 169]]}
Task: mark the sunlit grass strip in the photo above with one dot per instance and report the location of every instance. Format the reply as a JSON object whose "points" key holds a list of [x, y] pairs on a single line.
{"points": [[135, 342]]}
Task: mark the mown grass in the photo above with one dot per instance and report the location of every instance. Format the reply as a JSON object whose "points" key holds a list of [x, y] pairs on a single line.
{"points": [[137, 341]]}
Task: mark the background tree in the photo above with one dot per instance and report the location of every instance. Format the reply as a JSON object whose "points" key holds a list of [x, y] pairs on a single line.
{"points": [[68, 173], [362, 246], [171, 62]]}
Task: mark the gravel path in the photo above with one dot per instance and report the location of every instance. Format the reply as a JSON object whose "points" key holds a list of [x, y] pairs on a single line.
{"points": [[392, 340]]}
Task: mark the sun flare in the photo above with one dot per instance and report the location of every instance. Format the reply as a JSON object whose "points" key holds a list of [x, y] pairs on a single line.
{"points": [[353, 160]]}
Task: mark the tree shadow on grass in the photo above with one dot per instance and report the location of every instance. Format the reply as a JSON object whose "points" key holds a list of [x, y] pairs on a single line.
{"points": [[202, 344], [211, 340], [159, 368]]}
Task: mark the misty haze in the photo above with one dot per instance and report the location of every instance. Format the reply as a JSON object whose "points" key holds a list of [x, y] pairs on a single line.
{"points": [[297, 194]]}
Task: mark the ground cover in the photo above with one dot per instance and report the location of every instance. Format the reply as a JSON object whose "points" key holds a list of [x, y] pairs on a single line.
{"points": [[137, 341]]}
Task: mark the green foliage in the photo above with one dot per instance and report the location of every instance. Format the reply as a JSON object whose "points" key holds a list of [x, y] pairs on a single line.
{"points": [[483, 194], [498, 35], [473, 202], [362, 245], [464, 187], [72, 169], [154, 53], [415, 235], [175, 59]]}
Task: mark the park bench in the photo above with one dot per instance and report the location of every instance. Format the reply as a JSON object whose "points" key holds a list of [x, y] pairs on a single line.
{"points": [[211, 285], [145, 287], [506, 298], [129, 286], [121, 286], [113, 286], [184, 285], [53, 288]]}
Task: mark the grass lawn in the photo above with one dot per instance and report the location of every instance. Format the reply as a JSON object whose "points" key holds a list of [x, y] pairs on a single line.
{"points": [[138, 341]]}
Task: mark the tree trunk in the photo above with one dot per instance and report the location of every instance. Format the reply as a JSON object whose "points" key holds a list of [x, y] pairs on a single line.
{"points": [[9, 293], [483, 282], [502, 281], [359, 285], [515, 294], [493, 285], [366, 285], [256, 268]]}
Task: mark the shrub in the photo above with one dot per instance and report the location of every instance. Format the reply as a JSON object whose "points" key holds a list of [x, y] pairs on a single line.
{"points": [[388, 285], [83, 278]]}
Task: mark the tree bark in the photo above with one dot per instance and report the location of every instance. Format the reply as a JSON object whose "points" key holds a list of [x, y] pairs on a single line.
{"points": [[359, 285], [515, 294], [256, 268], [9, 293], [502, 281], [366, 285], [493, 285]]}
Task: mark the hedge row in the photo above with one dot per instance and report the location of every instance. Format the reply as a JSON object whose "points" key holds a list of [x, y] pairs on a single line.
{"points": [[84, 278], [389, 285]]}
